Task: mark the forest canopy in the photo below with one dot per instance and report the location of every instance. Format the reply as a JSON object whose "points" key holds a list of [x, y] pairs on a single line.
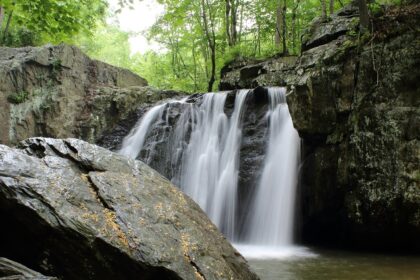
{"points": [[197, 37]]}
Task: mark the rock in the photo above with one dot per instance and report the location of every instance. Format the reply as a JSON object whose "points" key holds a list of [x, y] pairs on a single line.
{"points": [[10, 270], [79, 211], [354, 99], [239, 74], [57, 91]]}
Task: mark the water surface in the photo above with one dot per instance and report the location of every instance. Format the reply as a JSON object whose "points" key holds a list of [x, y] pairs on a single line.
{"points": [[338, 265]]}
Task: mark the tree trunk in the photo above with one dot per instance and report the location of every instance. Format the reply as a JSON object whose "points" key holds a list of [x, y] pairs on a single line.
{"points": [[6, 29], [331, 7], [211, 39], [231, 19], [195, 66], [364, 16], [241, 22], [1, 17], [324, 10], [213, 69], [227, 20], [278, 26], [294, 14], [284, 27], [234, 21]]}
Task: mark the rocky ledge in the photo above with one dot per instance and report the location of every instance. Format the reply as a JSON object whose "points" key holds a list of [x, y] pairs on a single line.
{"points": [[354, 99], [77, 211], [58, 91], [10, 270]]}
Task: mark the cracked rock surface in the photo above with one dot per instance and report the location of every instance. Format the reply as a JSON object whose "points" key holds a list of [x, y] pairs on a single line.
{"points": [[77, 211]]}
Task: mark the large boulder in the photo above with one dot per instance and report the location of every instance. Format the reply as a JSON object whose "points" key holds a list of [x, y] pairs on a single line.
{"points": [[78, 211], [58, 91], [354, 99]]}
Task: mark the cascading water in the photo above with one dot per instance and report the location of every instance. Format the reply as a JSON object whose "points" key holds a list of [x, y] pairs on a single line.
{"points": [[272, 213], [270, 223], [203, 149], [210, 169], [133, 143]]}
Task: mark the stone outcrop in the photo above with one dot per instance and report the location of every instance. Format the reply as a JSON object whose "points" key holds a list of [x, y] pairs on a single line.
{"points": [[10, 270], [78, 211], [57, 91], [354, 99]]}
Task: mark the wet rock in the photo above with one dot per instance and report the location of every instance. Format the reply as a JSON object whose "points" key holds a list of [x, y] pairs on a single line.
{"points": [[10, 270], [78, 211]]}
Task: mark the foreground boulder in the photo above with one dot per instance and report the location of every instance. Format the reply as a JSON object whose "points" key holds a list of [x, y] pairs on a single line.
{"points": [[58, 91], [77, 211]]}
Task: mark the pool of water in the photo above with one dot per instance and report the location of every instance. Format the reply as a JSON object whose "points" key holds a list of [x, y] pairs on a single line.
{"points": [[315, 264]]}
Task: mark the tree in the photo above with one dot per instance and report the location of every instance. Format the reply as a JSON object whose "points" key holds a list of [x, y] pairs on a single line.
{"points": [[364, 16], [1, 16], [53, 20], [324, 10], [201, 36], [281, 28], [294, 16], [209, 30], [231, 21], [331, 7]]}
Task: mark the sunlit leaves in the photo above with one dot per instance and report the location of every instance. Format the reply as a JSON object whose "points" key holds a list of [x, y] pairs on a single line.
{"points": [[56, 20]]}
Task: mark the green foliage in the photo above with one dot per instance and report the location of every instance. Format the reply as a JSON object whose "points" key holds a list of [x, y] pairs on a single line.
{"points": [[49, 20], [18, 97], [109, 44], [20, 37], [181, 30]]}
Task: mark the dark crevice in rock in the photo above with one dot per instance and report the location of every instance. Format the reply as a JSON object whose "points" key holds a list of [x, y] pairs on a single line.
{"points": [[98, 195], [324, 40], [198, 273]]}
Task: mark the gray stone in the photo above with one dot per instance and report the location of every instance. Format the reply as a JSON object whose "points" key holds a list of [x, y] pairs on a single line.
{"points": [[78, 211], [57, 91], [10, 270]]}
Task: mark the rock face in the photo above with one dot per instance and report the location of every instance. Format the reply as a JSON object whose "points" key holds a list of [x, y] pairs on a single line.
{"points": [[77, 211], [354, 98], [57, 91], [10, 270]]}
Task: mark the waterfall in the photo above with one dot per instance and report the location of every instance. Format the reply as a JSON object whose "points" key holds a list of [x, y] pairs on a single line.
{"points": [[270, 222], [203, 150], [210, 169], [133, 143], [272, 211]]}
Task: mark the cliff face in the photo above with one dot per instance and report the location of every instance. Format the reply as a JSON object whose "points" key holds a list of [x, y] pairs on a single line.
{"points": [[58, 91], [354, 99]]}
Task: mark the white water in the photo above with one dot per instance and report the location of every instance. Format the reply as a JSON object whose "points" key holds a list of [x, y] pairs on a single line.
{"points": [[207, 143], [272, 211], [210, 169], [270, 225], [133, 142]]}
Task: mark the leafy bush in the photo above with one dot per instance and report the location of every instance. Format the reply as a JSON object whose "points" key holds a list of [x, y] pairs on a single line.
{"points": [[18, 98]]}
